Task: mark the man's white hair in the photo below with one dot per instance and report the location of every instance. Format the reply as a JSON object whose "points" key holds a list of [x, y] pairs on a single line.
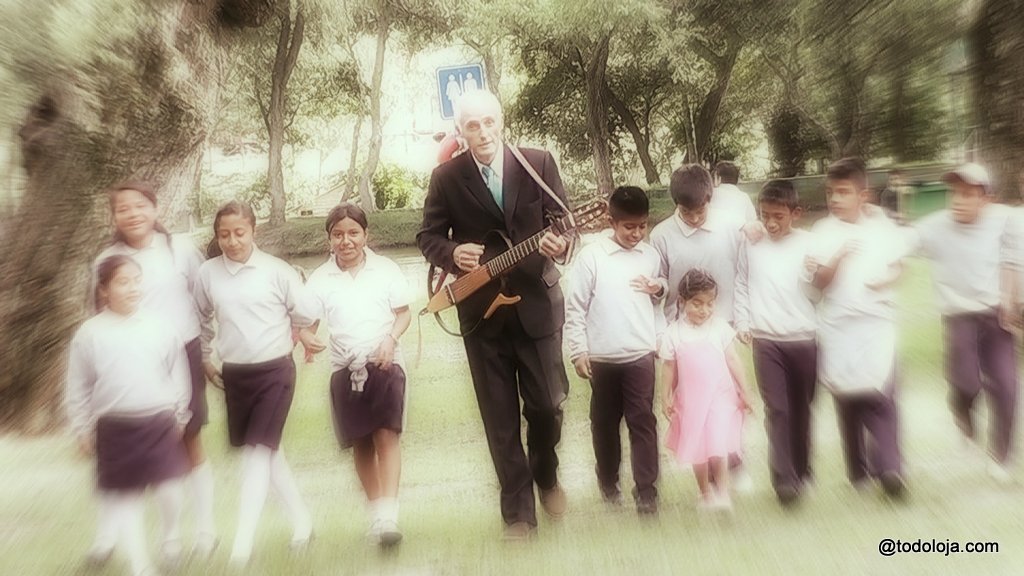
{"points": [[476, 99]]}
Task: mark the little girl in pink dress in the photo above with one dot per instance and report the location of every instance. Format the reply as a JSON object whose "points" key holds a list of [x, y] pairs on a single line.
{"points": [[705, 383]]}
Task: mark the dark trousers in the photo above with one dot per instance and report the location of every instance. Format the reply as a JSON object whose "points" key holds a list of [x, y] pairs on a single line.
{"points": [[625, 390], [507, 365], [980, 355], [786, 375], [869, 427]]}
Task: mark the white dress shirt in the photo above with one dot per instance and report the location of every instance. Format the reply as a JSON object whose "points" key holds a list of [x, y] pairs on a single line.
{"points": [[729, 198]]}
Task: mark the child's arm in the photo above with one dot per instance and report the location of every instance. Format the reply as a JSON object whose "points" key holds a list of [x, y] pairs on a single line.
{"points": [[822, 274], [741, 301], [577, 305], [739, 375], [386, 352], [669, 382], [178, 370], [205, 309], [81, 379]]}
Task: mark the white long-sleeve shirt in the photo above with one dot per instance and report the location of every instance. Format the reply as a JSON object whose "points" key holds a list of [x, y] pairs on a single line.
{"points": [[169, 269], [968, 258], [604, 316], [729, 198], [713, 246], [125, 366], [255, 305], [771, 304]]}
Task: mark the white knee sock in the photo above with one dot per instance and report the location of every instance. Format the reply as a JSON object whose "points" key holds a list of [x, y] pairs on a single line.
{"points": [[201, 481], [288, 490], [132, 531], [170, 498], [387, 509], [107, 524], [255, 484]]}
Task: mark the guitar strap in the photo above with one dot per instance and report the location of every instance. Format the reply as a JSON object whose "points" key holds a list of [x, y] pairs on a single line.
{"points": [[547, 189]]}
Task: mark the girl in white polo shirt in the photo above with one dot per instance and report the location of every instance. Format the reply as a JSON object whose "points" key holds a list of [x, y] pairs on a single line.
{"points": [[170, 265], [255, 299], [127, 401], [364, 301]]}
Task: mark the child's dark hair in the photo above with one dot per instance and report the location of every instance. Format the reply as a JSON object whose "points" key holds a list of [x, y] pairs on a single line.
{"points": [[345, 210], [695, 281], [728, 172], [780, 192], [148, 191], [105, 273], [628, 202], [232, 208], [691, 186], [850, 168]]}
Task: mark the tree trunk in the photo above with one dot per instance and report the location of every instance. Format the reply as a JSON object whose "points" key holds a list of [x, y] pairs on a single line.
{"points": [[643, 144], [376, 138], [289, 42], [78, 138], [998, 92], [492, 67], [597, 115], [350, 176], [704, 123]]}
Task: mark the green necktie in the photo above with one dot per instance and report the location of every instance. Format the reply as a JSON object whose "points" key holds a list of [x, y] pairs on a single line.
{"points": [[493, 184]]}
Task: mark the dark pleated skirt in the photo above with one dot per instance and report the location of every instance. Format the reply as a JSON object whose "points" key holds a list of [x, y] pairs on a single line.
{"points": [[380, 405], [197, 404], [135, 452], [258, 397]]}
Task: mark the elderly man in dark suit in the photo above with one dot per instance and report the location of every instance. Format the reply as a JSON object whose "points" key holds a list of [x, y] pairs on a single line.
{"points": [[517, 352]]}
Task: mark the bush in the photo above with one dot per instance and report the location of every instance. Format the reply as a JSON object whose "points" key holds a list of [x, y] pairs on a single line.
{"points": [[393, 186]]}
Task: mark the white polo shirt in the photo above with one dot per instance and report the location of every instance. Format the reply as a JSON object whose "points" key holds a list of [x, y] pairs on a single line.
{"points": [[126, 366], [255, 303], [168, 278], [771, 302], [713, 246], [729, 198], [967, 258], [604, 316], [359, 309]]}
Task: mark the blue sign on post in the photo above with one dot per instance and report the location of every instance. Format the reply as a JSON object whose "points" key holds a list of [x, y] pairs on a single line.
{"points": [[454, 81]]}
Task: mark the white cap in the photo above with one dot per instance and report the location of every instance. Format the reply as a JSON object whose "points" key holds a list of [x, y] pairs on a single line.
{"points": [[971, 174]]}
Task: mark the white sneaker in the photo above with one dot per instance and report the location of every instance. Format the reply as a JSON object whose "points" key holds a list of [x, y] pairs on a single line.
{"points": [[706, 503], [1000, 473], [170, 555], [742, 483], [374, 533], [205, 545], [389, 533]]}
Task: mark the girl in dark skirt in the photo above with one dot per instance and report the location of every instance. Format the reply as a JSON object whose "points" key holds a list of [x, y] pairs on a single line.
{"points": [[127, 401], [364, 300], [255, 299], [170, 265]]}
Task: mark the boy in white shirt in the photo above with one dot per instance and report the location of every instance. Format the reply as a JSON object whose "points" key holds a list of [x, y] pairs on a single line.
{"points": [[855, 266], [728, 197], [975, 261], [610, 329], [776, 316]]}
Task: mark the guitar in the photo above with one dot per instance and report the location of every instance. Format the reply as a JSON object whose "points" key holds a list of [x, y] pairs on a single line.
{"points": [[499, 257]]}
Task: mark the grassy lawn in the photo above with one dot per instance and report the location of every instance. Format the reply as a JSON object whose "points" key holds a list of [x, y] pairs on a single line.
{"points": [[450, 512]]}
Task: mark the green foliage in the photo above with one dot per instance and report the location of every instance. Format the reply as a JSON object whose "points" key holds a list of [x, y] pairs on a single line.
{"points": [[394, 186], [792, 142]]}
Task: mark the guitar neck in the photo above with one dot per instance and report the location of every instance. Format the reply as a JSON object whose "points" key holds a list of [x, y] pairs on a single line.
{"points": [[515, 255]]}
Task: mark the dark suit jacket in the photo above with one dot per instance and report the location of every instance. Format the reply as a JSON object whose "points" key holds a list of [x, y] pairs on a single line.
{"points": [[458, 203]]}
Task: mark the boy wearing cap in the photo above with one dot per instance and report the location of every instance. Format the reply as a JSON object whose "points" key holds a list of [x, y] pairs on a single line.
{"points": [[975, 262]]}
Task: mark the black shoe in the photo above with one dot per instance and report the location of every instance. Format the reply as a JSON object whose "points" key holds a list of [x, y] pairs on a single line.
{"points": [[787, 495], [647, 506], [893, 485], [611, 495]]}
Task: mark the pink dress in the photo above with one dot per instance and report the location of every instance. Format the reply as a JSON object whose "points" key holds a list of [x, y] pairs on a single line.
{"points": [[708, 420]]}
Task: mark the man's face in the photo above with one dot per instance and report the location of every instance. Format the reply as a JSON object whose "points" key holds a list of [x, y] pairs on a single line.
{"points": [[481, 125], [966, 201]]}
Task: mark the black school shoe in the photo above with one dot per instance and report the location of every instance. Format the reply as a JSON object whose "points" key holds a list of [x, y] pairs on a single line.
{"points": [[893, 485]]}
